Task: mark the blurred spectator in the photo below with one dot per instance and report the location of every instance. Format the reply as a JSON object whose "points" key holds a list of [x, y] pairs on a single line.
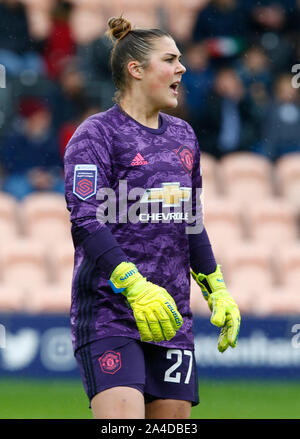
{"points": [[268, 17], [59, 45], [281, 129], [198, 78], [71, 98], [17, 49], [293, 18], [229, 122], [29, 152], [219, 19], [268, 26], [254, 69], [68, 128], [95, 58], [223, 26], [254, 66]]}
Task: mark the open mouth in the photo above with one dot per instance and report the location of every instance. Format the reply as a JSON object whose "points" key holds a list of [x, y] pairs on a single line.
{"points": [[174, 87]]}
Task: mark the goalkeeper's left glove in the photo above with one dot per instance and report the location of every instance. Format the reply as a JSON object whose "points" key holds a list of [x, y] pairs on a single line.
{"points": [[225, 312]]}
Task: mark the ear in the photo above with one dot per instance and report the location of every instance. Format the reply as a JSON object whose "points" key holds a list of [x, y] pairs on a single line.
{"points": [[135, 69]]}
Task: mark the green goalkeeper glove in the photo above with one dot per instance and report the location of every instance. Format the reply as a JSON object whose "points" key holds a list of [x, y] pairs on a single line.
{"points": [[225, 312], [154, 310]]}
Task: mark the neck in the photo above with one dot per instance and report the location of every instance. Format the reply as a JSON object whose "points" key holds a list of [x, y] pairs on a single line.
{"points": [[138, 109]]}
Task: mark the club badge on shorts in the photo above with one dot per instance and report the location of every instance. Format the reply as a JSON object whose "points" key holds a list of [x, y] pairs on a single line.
{"points": [[85, 181], [110, 362]]}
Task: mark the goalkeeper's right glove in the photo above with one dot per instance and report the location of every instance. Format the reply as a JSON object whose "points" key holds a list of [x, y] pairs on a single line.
{"points": [[154, 310]]}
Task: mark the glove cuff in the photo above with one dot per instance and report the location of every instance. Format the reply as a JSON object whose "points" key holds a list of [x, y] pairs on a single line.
{"points": [[123, 276], [211, 283]]}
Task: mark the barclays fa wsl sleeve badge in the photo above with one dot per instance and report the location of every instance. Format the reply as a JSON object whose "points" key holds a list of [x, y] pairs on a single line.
{"points": [[85, 181]]}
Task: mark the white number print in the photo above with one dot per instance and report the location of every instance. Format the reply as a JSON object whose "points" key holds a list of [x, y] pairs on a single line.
{"points": [[177, 377]]}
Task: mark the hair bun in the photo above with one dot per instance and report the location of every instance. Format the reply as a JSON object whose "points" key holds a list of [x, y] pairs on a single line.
{"points": [[118, 28]]}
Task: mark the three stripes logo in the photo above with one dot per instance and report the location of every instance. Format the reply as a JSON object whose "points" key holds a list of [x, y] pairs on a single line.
{"points": [[139, 160]]}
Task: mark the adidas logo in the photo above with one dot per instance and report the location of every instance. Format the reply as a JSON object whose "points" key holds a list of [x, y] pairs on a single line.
{"points": [[139, 160]]}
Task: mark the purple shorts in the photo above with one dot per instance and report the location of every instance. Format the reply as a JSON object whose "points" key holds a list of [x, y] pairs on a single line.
{"points": [[157, 372]]}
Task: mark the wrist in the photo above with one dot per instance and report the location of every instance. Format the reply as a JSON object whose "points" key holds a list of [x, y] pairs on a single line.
{"points": [[123, 276], [210, 283]]}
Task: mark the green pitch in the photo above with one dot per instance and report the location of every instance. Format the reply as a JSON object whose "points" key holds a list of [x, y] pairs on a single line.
{"points": [[33, 399]]}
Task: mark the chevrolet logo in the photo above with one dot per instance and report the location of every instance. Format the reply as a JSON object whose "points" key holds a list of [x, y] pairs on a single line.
{"points": [[171, 194]]}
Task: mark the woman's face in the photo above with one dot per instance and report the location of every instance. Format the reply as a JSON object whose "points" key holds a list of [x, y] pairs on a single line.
{"points": [[163, 74]]}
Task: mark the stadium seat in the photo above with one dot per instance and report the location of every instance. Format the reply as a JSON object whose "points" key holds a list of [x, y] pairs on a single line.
{"points": [[48, 298], [86, 25], [243, 299], [253, 301], [37, 4], [210, 172], [123, 5], [223, 222], [11, 298], [180, 17], [23, 263], [62, 263], [89, 4], [287, 173], [9, 218], [272, 221], [45, 218], [285, 301], [140, 14], [246, 176], [288, 265], [249, 264]]}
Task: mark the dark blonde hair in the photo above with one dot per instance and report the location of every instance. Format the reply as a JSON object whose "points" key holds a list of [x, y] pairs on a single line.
{"points": [[129, 44]]}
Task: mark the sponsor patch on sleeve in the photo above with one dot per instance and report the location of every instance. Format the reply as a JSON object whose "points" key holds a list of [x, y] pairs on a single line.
{"points": [[85, 181]]}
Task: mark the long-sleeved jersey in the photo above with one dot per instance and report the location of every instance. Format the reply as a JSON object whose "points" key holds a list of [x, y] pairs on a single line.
{"points": [[141, 187]]}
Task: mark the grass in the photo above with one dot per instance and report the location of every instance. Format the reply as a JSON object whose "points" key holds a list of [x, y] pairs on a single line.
{"points": [[248, 400], [46, 399]]}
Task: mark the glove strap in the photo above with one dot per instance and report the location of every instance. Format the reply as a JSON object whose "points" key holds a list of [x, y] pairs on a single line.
{"points": [[211, 283], [124, 275]]}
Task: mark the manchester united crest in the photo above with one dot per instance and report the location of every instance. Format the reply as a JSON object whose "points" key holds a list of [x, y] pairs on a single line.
{"points": [[110, 362], [186, 157]]}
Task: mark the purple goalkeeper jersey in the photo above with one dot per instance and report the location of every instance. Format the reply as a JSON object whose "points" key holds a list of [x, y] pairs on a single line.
{"points": [[140, 186]]}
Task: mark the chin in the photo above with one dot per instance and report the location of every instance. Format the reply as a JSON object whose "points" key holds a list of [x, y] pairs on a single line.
{"points": [[170, 103]]}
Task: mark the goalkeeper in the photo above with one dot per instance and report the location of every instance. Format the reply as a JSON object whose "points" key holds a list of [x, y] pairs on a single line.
{"points": [[131, 320]]}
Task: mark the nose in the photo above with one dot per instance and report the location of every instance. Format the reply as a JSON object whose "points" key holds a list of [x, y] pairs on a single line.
{"points": [[181, 69]]}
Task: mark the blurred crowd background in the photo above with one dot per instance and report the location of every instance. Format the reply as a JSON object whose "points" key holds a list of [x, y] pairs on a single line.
{"points": [[240, 94]]}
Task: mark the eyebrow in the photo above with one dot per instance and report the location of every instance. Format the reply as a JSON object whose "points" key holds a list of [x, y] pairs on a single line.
{"points": [[173, 55]]}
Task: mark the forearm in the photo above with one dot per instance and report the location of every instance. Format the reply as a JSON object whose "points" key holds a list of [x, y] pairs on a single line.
{"points": [[101, 247], [202, 259]]}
